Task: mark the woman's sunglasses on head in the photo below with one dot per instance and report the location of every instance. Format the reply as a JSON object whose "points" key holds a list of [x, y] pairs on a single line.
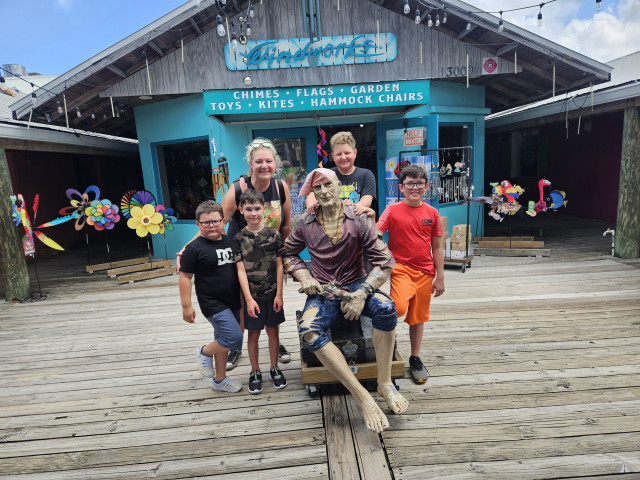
{"points": [[260, 144]]}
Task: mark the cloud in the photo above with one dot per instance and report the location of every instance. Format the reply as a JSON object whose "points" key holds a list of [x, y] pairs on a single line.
{"points": [[574, 24]]}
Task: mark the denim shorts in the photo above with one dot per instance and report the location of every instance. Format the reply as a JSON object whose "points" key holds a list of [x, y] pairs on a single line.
{"points": [[379, 307], [226, 329]]}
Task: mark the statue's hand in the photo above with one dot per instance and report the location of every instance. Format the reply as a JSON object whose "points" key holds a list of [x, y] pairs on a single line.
{"points": [[310, 285], [352, 308]]}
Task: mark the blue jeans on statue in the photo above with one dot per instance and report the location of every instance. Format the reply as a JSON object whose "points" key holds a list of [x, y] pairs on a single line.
{"points": [[379, 307]]}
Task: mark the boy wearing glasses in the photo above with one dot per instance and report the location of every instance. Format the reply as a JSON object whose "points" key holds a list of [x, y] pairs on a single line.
{"points": [[415, 240], [210, 259], [258, 251]]}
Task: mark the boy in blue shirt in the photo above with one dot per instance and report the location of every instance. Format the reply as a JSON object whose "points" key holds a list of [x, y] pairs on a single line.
{"points": [[209, 257]]}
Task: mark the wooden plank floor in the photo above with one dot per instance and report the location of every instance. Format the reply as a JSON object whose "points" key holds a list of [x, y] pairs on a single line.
{"points": [[535, 373]]}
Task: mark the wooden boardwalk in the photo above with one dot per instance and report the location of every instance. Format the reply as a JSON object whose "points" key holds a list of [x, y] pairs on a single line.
{"points": [[535, 373]]}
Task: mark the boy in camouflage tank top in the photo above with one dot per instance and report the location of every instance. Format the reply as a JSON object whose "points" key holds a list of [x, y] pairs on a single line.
{"points": [[258, 251]]}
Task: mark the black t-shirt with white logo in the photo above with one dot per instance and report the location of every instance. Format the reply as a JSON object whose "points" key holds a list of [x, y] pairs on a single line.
{"points": [[216, 278]]}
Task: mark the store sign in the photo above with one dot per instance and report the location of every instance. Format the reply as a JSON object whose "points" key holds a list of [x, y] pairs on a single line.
{"points": [[413, 137], [489, 65], [301, 52], [301, 99]]}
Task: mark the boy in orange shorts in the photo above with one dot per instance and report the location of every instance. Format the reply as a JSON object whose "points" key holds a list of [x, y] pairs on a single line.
{"points": [[415, 240]]}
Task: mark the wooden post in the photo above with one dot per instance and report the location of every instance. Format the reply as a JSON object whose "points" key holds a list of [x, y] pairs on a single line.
{"points": [[628, 223], [15, 275]]}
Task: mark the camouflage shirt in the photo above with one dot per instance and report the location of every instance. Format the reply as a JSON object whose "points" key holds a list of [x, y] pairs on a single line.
{"points": [[258, 251]]}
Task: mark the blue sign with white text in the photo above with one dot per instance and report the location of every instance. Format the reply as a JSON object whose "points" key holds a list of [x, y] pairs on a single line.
{"points": [[301, 52], [301, 99]]}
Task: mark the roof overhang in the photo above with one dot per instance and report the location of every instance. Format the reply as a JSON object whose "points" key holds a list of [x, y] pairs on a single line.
{"points": [[546, 66]]}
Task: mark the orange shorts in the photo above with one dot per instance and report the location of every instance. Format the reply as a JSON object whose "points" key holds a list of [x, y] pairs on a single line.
{"points": [[411, 292]]}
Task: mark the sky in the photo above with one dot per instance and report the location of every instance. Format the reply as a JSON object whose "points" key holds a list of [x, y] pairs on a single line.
{"points": [[53, 36]]}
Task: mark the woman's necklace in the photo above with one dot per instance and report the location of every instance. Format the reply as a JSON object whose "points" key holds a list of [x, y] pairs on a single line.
{"points": [[335, 238]]}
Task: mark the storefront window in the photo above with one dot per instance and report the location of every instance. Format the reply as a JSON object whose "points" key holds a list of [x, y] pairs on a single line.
{"points": [[184, 169]]}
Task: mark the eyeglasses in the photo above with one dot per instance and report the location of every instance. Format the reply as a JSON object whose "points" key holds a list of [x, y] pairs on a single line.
{"points": [[211, 223], [260, 144], [412, 186]]}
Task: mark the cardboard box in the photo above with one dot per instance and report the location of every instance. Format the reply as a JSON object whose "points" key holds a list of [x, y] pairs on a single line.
{"points": [[461, 229], [459, 245], [445, 226]]}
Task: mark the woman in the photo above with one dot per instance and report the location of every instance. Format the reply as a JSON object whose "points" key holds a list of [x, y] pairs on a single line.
{"points": [[263, 162]]}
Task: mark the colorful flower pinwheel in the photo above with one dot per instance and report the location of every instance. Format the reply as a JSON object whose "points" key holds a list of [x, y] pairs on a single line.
{"points": [[102, 214], [79, 204], [135, 198], [167, 218], [145, 220]]}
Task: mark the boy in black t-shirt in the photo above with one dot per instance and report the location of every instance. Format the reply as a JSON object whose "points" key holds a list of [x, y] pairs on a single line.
{"points": [[209, 257]]}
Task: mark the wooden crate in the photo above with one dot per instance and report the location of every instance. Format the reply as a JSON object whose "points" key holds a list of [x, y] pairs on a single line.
{"points": [[365, 371]]}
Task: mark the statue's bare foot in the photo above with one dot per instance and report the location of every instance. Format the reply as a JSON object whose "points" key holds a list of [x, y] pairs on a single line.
{"points": [[397, 403], [374, 418]]}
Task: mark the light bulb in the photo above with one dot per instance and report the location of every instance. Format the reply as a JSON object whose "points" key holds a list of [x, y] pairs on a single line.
{"points": [[248, 29], [598, 5], [540, 18], [223, 2], [93, 116], [251, 14], [34, 99], [468, 27], [406, 7], [444, 16], [429, 21], [220, 28], [59, 106], [78, 114], [437, 20], [501, 23], [234, 40]]}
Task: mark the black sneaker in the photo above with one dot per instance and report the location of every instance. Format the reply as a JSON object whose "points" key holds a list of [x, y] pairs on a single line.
{"points": [[283, 355], [418, 372], [277, 377], [234, 358], [255, 382]]}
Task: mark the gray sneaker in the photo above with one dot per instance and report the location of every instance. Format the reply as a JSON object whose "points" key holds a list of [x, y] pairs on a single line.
{"points": [[234, 358], [418, 372], [205, 363], [227, 385]]}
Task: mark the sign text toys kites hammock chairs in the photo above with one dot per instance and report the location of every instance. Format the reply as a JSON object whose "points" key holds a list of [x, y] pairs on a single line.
{"points": [[145, 216], [504, 198]]}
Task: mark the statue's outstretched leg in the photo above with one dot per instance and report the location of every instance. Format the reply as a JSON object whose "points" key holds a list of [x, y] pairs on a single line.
{"points": [[384, 343], [334, 361]]}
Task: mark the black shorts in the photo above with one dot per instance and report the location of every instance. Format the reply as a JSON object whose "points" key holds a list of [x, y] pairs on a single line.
{"points": [[267, 315]]}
